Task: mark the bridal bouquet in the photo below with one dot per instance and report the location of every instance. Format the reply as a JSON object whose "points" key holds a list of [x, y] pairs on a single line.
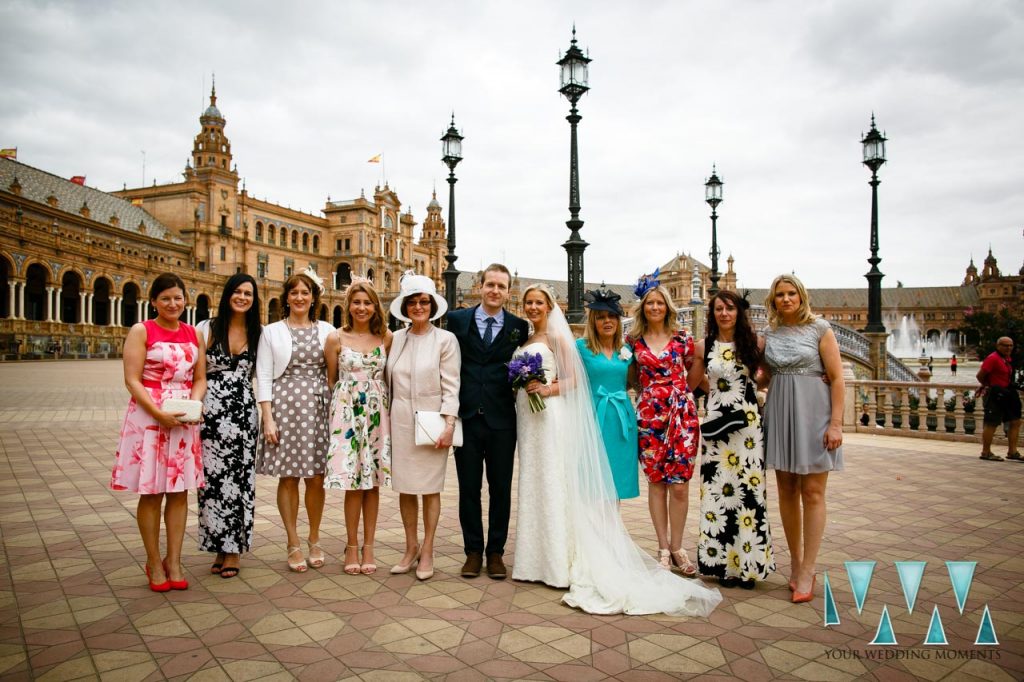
{"points": [[523, 369]]}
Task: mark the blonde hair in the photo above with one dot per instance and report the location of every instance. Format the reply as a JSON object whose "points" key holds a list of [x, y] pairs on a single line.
{"points": [[803, 313], [544, 289], [377, 325], [640, 322], [590, 332]]}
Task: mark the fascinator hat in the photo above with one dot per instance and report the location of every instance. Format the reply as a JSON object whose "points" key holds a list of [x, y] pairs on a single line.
{"points": [[314, 277], [603, 299], [413, 284], [646, 283]]}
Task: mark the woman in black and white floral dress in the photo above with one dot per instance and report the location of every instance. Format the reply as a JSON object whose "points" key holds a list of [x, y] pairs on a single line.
{"points": [[735, 541], [229, 426]]}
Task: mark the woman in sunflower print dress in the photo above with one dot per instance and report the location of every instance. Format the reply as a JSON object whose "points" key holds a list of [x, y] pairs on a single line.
{"points": [[735, 542], [359, 454], [666, 417]]}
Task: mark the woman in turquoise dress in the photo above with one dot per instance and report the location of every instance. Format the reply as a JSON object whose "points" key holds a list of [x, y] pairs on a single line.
{"points": [[606, 361]]}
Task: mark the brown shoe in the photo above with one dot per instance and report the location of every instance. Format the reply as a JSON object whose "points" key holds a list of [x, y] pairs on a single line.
{"points": [[496, 567], [474, 561]]}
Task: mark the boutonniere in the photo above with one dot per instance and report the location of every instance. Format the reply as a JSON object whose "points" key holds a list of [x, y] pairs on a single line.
{"points": [[514, 337], [625, 353]]}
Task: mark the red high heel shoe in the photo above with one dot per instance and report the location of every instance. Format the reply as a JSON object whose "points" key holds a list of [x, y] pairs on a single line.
{"points": [[803, 597], [165, 586], [175, 584]]}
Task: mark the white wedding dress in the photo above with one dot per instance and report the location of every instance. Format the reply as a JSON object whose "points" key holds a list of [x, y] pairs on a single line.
{"points": [[569, 532], [543, 548]]}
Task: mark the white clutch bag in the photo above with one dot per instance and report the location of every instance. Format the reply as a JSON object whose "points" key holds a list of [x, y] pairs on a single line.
{"points": [[430, 425], [193, 409]]}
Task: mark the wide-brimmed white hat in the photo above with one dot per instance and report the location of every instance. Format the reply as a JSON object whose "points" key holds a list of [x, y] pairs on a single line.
{"points": [[413, 284]]}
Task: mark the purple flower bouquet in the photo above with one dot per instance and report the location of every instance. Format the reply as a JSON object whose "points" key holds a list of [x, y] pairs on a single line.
{"points": [[523, 369]]}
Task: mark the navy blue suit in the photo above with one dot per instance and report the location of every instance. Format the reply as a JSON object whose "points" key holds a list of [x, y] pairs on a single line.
{"points": [[488, 411]]}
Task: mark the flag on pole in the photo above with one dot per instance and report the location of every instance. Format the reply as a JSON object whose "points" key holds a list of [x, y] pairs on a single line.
{"points": [[11, 153], [78, 180], [375, 159]]}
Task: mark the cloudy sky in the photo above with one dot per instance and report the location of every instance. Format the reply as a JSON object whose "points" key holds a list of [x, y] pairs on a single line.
{"points": [[776, 93]]}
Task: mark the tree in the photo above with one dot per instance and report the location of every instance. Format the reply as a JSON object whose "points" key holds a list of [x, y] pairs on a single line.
{"points": [[987, 327]]}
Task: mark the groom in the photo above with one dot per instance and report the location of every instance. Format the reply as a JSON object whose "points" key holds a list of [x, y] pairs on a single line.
{"points": [[488, 335]]}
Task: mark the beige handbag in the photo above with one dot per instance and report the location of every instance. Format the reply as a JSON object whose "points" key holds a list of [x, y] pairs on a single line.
{"points": [[430, 425], [193, 409]]}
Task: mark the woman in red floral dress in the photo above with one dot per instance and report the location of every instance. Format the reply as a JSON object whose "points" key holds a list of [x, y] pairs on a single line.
{"points": [[667, 418]]}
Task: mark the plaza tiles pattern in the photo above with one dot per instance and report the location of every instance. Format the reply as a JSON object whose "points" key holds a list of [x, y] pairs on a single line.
{"points": [[74, 602]]}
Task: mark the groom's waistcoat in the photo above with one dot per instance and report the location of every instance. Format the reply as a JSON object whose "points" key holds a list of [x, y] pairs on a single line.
{"points": [[485, 390]]}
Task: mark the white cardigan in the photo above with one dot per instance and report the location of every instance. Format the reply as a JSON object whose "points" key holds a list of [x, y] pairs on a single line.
{"points": [[274, 354]]}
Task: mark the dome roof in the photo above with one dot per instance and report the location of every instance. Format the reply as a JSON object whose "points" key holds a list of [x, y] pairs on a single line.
{"points": [[212, 112], [434, 203]]}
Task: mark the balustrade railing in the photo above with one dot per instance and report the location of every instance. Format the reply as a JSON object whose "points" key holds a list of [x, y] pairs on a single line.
{"points": [[904, 408]]}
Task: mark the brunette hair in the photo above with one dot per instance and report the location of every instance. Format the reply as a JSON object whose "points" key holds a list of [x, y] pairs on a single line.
{"points": [[803, 313], [219, 325], [496, 267], [167, 280], [590, 331], [293, 282], [405, 304], [640, 322], [377, 325], [744, 336]]}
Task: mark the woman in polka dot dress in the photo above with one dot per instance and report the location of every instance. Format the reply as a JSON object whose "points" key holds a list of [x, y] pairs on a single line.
{"points": [[292, 393]]}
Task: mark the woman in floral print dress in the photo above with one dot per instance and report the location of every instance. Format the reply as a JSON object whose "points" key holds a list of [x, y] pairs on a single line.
{"points": [[159, 455], [666, 417], [735, 541], [359, 455], [230, 427]]}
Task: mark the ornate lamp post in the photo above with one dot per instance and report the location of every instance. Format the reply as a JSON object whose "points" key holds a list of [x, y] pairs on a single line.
{"points": [[874, 157], [713, 195], [574, 84], [451, 147]]}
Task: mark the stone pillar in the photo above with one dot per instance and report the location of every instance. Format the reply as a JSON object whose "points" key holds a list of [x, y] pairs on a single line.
{"points": [[849, 413], [10, 300], [21, 299], [88, 308], [59, 316], [142, 311], [81, 307], [190, 315], [115, 311], [876, 341], [49, 304]]}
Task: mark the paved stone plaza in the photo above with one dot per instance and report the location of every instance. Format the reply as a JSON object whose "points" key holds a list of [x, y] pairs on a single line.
{"points": [[74, 602]]}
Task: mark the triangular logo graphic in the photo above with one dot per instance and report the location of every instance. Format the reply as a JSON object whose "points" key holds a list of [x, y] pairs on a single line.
{"points": [[936, 633], [884, 636], [831, 612], [911, 573], [960, 574], [986, 631], [859, 573]]}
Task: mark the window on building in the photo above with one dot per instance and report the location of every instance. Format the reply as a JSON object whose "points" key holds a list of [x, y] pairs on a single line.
{"points": [[344, 218], [202, 266], [348, 245], [316, 244], [223, 254], [261, 269], [289, 267], [259, 231], [305, 242], [295, 239], [223, 224]]}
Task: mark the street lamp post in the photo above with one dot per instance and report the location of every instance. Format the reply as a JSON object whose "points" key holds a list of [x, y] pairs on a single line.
{"points": [[713, 195], [451, 147], [574, 84], [874, 157]]}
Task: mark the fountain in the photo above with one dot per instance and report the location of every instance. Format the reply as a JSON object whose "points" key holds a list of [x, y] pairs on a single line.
{"points": [[907, 342]]}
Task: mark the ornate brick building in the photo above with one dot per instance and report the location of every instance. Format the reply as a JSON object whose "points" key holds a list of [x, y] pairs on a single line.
{"points": [[76, 262]]}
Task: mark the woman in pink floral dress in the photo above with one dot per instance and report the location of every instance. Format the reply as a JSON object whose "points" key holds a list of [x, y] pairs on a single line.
{"points": [[159, 455], [669, 429]]}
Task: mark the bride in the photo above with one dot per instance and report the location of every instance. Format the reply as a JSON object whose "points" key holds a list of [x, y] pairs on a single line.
{"points": [[569, 533]]}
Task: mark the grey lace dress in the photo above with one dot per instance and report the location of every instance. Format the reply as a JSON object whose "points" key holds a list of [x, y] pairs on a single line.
{"points": [[799, 405]]}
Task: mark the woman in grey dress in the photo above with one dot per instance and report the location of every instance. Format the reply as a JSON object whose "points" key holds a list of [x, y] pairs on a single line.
{"points": [[292, 393], [803, 422]]}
